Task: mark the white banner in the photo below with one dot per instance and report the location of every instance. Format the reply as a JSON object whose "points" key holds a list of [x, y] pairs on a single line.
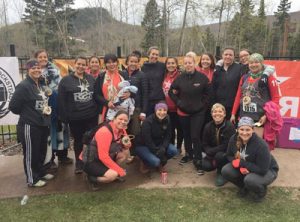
{"points": [[9, 78]]}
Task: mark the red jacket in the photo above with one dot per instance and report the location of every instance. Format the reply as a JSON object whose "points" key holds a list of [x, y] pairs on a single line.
{"points": [[168, 80]]}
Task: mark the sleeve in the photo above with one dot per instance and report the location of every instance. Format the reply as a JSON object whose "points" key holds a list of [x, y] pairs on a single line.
{"points": [[62, 97], [167, 137], [214, 85], [231, 148], [146, 135], [17, 100], [173, 96], [104, 138], [237, 99], [268, 70], [273, 89], [98, 94], [262, 163], [208, 93], [144, 93], [131, 106]]}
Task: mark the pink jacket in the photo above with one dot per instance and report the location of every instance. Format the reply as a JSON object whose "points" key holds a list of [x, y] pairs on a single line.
{"points": [[273, 125]]}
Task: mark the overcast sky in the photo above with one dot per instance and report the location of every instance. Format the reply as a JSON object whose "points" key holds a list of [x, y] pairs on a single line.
{"points": [[16, 7]]}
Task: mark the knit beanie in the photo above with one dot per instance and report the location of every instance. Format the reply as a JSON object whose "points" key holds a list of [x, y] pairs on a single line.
{"points": [[256, 57], [161, 105], [246, 121]]}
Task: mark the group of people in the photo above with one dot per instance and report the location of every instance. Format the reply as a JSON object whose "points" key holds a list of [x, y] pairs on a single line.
{"points": [[152, 112]]}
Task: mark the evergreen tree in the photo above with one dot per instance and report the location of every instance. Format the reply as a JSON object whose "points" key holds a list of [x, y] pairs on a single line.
{"points": [[152, 25]]}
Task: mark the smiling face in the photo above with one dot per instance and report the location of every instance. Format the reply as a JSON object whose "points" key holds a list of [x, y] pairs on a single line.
{"points": [[228, 56], [205, 62], [111, 65], [161, 113], [94, 64], [218, 114], [133, 63], [255, 66], [42, 58], [245, 133], [35, 72], [189, 64], [153, 56], [80, 66], [171, 65], [244, 57], [121, 121]]}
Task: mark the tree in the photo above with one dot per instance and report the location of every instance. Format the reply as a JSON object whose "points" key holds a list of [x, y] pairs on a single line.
{"points": [[151, 23], [182, 27]]}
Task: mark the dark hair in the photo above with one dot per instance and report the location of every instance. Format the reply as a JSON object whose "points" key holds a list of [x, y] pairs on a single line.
{"points": [[92, 57], [176, 61], [213, 63], [36, 54], [111, 57], [229, 48], [81, 57], [246, 50], [120, 112], [131, 55], [137, 53]]}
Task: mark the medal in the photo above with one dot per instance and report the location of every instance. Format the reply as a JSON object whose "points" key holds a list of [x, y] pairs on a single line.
{"points": [[48, 91], [246, 100], [47, 110]]}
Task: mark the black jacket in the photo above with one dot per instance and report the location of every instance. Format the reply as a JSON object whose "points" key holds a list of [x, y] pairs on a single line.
{"points": [[225, 84], [28, 103], [216, 137], [155, 74], [138, 79], [193, 92], [156, 134], [75, 101], [258, 158]]}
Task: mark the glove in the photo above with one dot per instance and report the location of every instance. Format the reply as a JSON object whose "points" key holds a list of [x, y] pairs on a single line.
{"points": [[236, 163], [244, 171]]}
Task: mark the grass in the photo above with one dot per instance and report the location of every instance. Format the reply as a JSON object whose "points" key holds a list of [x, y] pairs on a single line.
{"points": [[178, 204]]}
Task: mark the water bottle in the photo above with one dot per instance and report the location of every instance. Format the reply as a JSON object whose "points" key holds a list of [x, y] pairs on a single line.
{"points": [[24, 200]]}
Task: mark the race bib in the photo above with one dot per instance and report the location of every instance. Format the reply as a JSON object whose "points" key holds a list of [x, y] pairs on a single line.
{"points": [[250, 108]]}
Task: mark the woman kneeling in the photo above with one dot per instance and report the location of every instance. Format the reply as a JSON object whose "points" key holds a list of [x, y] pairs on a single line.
{"points": [[110, 152], [251, 166], [154, 147]]}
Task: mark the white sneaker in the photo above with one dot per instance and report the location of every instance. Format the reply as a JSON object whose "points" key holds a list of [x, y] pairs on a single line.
{"points": [[48, 176], [40, 183]]}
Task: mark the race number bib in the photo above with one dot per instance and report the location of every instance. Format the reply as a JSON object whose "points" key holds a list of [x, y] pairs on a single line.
{"points": [[250, 108]]}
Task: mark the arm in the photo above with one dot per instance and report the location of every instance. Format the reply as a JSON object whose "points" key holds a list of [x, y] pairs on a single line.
{"points": [[231, 148], [144, 93], [103, 139], [174, 96], [237, 99], [98, 93], [167, 137], [17, 100]]}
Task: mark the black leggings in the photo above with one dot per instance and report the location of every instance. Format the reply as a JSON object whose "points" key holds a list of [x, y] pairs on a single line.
{"points": [[175, 124], [78, 128]]}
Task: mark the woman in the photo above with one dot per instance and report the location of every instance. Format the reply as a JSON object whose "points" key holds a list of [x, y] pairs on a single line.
{"points": [[172, 72], [105, 166], [155, 148], [154, 71], [255, 89], [94, 68], [138, 79], [251, 167], [216, 136], [244, 60], [207, 65], [58, 141], [77, 106], [30, 101], [191, 94], [106, 86]]}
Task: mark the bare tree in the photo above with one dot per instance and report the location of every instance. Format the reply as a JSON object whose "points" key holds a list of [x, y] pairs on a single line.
{"points": [[182, 27]]}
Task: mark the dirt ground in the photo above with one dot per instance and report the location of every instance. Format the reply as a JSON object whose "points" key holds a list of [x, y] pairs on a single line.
{"points": [[12, 178]]}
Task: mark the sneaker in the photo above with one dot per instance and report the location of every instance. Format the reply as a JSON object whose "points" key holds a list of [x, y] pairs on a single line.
{"points": [[185, 159], [243, 192], [220, 180], [48, 176], [200, 172], [93, 183], [65, 160], [92, 179], [259, 197], [39, 183]]}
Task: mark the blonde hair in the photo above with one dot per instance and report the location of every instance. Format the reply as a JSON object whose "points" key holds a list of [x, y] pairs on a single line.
{"points": [[218, 105], [192, 55]]}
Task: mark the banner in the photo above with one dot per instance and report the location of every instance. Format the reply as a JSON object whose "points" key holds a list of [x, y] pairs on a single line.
{"points": [[288, 75], [9, 78]]}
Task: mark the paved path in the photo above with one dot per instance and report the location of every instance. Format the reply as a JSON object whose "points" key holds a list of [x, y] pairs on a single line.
{"points": [[12, 178]]}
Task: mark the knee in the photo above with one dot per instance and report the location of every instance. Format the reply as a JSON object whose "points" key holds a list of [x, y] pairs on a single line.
{"points": [[172, 151], [154, 162], [228, 171], [250, 181]]}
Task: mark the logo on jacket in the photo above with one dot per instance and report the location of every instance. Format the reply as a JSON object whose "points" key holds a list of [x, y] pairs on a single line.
{"points": [[7, 89], [197, 84]]}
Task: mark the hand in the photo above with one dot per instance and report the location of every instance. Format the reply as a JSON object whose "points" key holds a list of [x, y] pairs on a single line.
{"points": [[232, 119], [110, 105], [125, 95], [161, 153], [236, 163], [244, 171], [262, 120]]}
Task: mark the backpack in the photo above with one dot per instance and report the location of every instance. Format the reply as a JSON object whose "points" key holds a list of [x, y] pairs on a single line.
{"points": [[90, 150]]}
